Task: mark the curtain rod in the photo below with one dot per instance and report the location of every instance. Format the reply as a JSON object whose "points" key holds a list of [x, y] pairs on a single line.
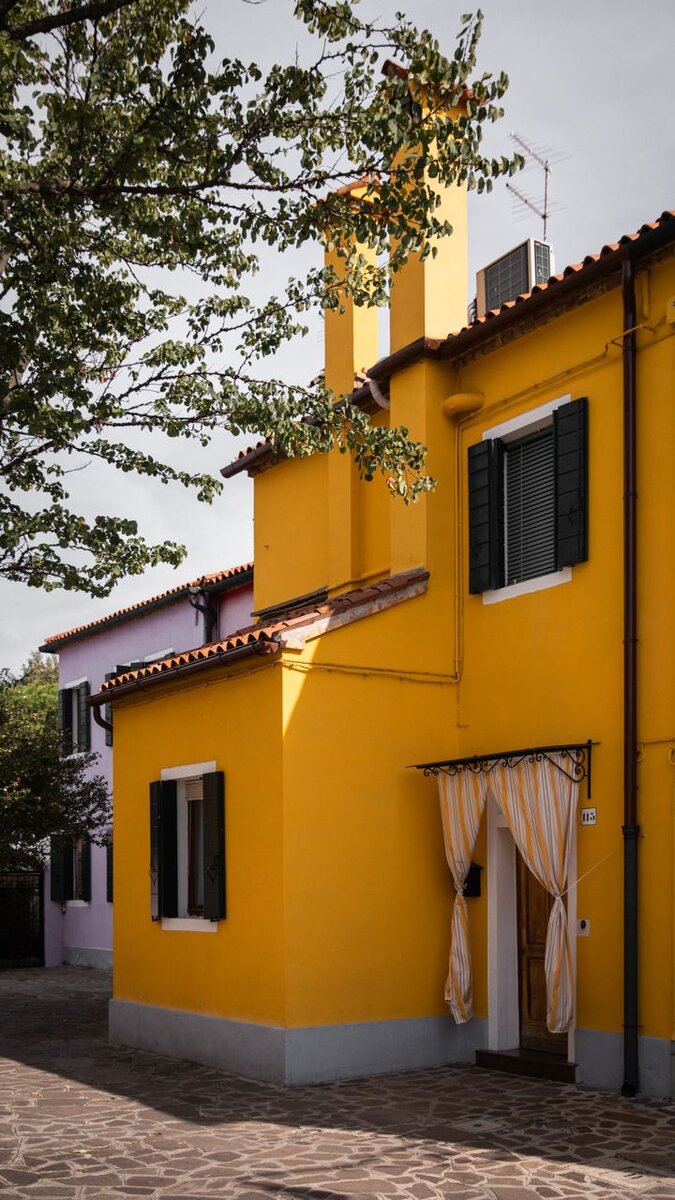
{"points": [[578, 753]]}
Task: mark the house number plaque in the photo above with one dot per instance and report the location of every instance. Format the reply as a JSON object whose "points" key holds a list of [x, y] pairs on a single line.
{"points": [[589, 816]]}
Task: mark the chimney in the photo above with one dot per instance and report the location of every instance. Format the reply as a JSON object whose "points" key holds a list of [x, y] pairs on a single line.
{"points": [[350, 334], [429, 298], [350, 347]]}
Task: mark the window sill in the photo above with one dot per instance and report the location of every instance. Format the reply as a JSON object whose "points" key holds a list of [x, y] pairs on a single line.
{"points": [[540, 584], [77, 903], [189, 925]]}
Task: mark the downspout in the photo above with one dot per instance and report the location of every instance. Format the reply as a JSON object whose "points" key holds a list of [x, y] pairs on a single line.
{"points": [[202, 602], [631, 829]]}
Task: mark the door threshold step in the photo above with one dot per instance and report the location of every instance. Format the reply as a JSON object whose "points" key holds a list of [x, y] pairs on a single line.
{"points": [[535, 1064]]}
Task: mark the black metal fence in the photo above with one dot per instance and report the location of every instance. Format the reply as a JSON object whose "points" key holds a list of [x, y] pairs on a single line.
{"points": [[21, 919]]}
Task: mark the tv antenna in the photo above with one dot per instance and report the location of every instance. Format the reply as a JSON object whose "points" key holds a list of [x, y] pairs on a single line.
{"points": [[543, 156]]}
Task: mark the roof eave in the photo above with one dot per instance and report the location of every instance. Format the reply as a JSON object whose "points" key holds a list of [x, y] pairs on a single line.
{"points": [[217, 588], [223, 659], [488, 333]]}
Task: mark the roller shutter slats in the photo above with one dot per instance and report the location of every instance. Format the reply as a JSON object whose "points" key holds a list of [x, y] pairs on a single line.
{"points": [[530, 508]]}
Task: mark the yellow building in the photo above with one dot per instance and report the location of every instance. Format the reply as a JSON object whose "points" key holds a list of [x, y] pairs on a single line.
{"points": [[296, 924]]}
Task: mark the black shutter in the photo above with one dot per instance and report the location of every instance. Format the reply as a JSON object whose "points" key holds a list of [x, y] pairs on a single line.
{"points": [[214, 846], [163, 850], [86, 869], [168, 845], [61, 869], [109, 869], [65, 720], [155, 802], [486, 516], [570, 431], [56, 864], [83, 718]]}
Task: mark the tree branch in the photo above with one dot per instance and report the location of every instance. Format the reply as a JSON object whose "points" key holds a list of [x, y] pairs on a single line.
{"points": [[5, 6], [85, 12]]}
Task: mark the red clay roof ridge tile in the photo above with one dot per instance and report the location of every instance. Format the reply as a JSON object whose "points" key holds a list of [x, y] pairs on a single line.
{"points": [[262, 451], [270, 632], [136, 610]]}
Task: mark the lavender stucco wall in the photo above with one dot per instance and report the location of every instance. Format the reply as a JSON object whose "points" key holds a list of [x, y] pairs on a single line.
{"points": [[82, 933], [234, 610]]}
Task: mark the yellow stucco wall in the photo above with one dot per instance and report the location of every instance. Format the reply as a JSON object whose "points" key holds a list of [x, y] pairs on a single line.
{"points": [[548, 667], [238, 970], [368, 897], [290, 530], [339, 899]]}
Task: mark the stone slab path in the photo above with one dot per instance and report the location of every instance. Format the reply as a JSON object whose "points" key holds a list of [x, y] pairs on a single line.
{"points": [[81, 1119]]}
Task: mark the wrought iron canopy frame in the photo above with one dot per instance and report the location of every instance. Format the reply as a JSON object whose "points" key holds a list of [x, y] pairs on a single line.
{"points": [[576, 755]]}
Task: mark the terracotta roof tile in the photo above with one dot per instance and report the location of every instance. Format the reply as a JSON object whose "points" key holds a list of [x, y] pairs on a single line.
{"points": [[444, 348], [210, 582], [572, 269], [268, 635]]}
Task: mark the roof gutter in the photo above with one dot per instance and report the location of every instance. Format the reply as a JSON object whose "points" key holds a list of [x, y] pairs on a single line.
{"points": [[219, 659], [225, 585], [259, 455], [577, 282]]}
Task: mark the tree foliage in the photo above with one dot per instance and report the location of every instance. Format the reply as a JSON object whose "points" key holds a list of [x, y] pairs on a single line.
{"points": [[131, 161], [40, 668], [42, 793]]}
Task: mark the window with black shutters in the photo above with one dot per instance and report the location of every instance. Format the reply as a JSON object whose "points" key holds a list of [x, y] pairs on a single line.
{"points": [[528, 500], [74, 719], [187, 847], [70, 864]]}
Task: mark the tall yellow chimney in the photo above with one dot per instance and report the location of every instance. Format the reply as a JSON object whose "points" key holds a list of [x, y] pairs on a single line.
{"points": [[429, 298], [351, 334]]}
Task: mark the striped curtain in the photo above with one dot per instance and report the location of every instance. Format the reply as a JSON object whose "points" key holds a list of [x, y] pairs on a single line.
{"points": [[539, 804], [462, 799]]}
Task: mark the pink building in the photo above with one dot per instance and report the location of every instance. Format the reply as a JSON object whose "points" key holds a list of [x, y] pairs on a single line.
{"points": [[78, 884]]}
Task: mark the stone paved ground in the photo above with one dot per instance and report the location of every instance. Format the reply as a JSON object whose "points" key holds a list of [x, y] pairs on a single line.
{"points": [[81, 1119]]}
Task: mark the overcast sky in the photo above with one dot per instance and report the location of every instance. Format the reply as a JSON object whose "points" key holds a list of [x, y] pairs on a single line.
{"points": [[593, 80]]}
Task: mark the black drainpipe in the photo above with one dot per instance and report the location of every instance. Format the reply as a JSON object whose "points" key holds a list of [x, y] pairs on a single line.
{"points": [[202, 602], [631, 829]]}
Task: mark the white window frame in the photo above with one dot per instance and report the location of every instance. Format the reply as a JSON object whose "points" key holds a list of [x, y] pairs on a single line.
{"points": [[532, 421], [185, 924]]}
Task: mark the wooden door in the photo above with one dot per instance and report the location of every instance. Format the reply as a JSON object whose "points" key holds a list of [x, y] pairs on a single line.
{"points": [[534, 906]]}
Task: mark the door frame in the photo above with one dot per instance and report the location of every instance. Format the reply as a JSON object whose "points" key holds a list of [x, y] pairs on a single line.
{"points": [[503, 988]]}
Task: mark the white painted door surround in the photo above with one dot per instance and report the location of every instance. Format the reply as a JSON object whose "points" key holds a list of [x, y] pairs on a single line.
{"points": [[503, 1004]]}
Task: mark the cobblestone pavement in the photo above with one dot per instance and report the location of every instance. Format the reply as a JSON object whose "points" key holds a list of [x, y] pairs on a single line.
{"points": [[81, 1119]]}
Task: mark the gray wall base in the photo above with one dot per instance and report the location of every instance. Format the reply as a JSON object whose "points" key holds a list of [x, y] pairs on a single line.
{"points": [[87, 956], [309, 1055], [600, 1062]]}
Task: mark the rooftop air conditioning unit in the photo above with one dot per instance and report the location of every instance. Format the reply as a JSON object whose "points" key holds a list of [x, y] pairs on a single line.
{"points": [[513, 274]]}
